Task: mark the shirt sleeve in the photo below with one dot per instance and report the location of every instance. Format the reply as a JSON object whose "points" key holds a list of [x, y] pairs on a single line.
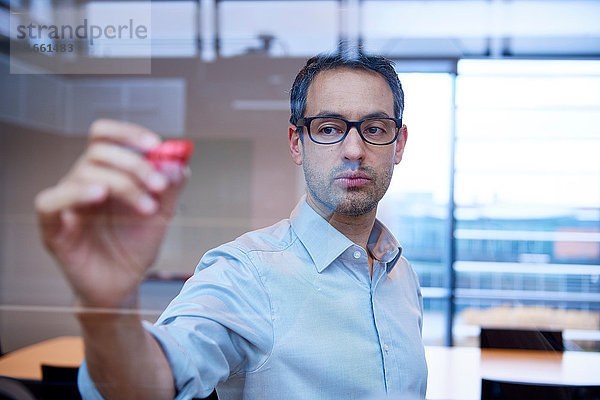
{"points": [[86, 385], [219, 325], [417, 285]]}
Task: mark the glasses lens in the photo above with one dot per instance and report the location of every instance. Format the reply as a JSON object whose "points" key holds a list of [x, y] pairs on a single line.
{"points": [[327, 130], [378, 130]]}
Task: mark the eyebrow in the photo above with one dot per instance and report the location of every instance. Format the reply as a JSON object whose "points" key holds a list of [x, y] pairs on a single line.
{"points": [[338, 115]]}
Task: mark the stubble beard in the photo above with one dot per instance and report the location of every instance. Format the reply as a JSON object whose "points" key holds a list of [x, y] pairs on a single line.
{"points": [[352, 201]]}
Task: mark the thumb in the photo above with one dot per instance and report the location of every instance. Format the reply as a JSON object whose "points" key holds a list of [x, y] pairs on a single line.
{"points": [[177, 174]]}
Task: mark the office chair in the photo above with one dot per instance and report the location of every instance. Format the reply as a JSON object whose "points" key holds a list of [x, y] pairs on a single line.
{"points": [[11, 389], [59, 383], [212, 396], [501, 390], [498, 338]]}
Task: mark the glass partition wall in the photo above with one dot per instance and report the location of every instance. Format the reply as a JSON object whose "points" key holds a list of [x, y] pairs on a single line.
{"points": [[510, 237], [415, 207], [527, 197], [497, 200]]}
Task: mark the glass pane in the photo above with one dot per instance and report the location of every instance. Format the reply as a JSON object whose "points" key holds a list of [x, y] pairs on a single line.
{"points": [[172, 28], [415, 206], [278, 28], [578, 320], [434, 321], [528, 196], [131, 16]]}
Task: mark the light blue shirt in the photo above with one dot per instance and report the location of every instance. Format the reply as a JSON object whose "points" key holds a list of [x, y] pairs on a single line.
{"points": [[291, 312]]}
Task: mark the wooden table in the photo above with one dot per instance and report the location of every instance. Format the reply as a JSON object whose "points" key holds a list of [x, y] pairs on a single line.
{"points": [[456, 372], [25, 363]]}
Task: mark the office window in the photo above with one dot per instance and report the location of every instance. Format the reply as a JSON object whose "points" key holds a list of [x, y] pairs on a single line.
{"points": [[415, 207], [172, 28], [278, 28], [526, 197], [527, 191]]}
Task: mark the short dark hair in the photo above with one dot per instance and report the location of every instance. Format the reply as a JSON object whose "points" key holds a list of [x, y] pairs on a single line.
{"points": [[345, 59]]}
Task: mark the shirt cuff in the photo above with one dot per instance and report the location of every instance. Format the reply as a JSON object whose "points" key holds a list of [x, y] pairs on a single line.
{"points": [[86, 385], [186, 382]]}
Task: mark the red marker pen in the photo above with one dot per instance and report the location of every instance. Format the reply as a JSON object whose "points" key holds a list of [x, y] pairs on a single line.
{"points": [[170, 157], [172, 150]]}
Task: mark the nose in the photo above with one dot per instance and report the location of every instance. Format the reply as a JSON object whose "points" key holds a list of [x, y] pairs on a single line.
{"points": [[353, 147]]}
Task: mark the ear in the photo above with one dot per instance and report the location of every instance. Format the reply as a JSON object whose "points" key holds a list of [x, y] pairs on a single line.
{"points": [[400, 144], [295, 144]]}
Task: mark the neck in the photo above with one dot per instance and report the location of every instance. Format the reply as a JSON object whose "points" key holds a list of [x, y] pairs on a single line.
{"points": [[357, 228]]}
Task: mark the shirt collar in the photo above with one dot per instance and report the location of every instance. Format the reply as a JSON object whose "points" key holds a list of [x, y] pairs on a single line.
{"points": [[383, 246], [324, 243]]}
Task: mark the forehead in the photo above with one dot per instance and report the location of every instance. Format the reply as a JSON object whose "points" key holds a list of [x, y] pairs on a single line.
{"points": [[349, 92]]}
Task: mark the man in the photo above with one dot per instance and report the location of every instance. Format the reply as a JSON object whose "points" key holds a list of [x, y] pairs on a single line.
{"points": [[318, 306]]}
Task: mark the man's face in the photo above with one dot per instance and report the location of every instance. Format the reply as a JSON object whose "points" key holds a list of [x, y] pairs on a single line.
{"points": [[349, 177]]}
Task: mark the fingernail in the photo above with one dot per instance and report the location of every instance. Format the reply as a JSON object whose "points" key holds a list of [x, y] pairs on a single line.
{"points": [[172, 170], [179, 173], [157, 181], [95, 191], [147, 205], [148, 142]]}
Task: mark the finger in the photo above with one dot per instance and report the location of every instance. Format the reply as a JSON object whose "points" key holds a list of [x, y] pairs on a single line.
{"points": [[174, 171], [125, 160], [50, 203], [121, 187], [179, 175], [125, 133]]}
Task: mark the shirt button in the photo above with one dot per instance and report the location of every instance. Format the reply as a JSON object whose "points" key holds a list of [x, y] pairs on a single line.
{"points": [[357, 254], [386, 348]]}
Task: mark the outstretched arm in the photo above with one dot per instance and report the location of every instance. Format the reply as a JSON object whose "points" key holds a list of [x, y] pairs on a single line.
{"points": [[104, 223]]}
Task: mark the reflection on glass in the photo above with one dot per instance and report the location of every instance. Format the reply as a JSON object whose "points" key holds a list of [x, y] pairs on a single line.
{"points": [[415, 206], [278, 28], [171, 26], [434, 320]]}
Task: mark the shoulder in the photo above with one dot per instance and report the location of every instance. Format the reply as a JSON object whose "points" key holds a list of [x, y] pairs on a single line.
{"points": [[232, 274], [404, 270], [410, 270], [274, 238]]}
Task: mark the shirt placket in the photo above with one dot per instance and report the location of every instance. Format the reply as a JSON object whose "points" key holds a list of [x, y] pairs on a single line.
{"points": [[383, 334]]}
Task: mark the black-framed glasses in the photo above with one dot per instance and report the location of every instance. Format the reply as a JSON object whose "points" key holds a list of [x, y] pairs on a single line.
{"points": [[330, 130]]}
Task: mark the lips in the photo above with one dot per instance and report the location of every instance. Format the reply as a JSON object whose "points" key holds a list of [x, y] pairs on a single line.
{"points": [[352, 179]]}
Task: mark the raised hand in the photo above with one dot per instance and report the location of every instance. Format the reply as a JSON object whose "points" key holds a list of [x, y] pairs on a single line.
{"points": [[105, 220]]}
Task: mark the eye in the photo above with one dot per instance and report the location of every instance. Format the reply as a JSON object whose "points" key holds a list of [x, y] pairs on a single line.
{"points": [[328, 127], [329, 130], [373, 130], [378, 128]]}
